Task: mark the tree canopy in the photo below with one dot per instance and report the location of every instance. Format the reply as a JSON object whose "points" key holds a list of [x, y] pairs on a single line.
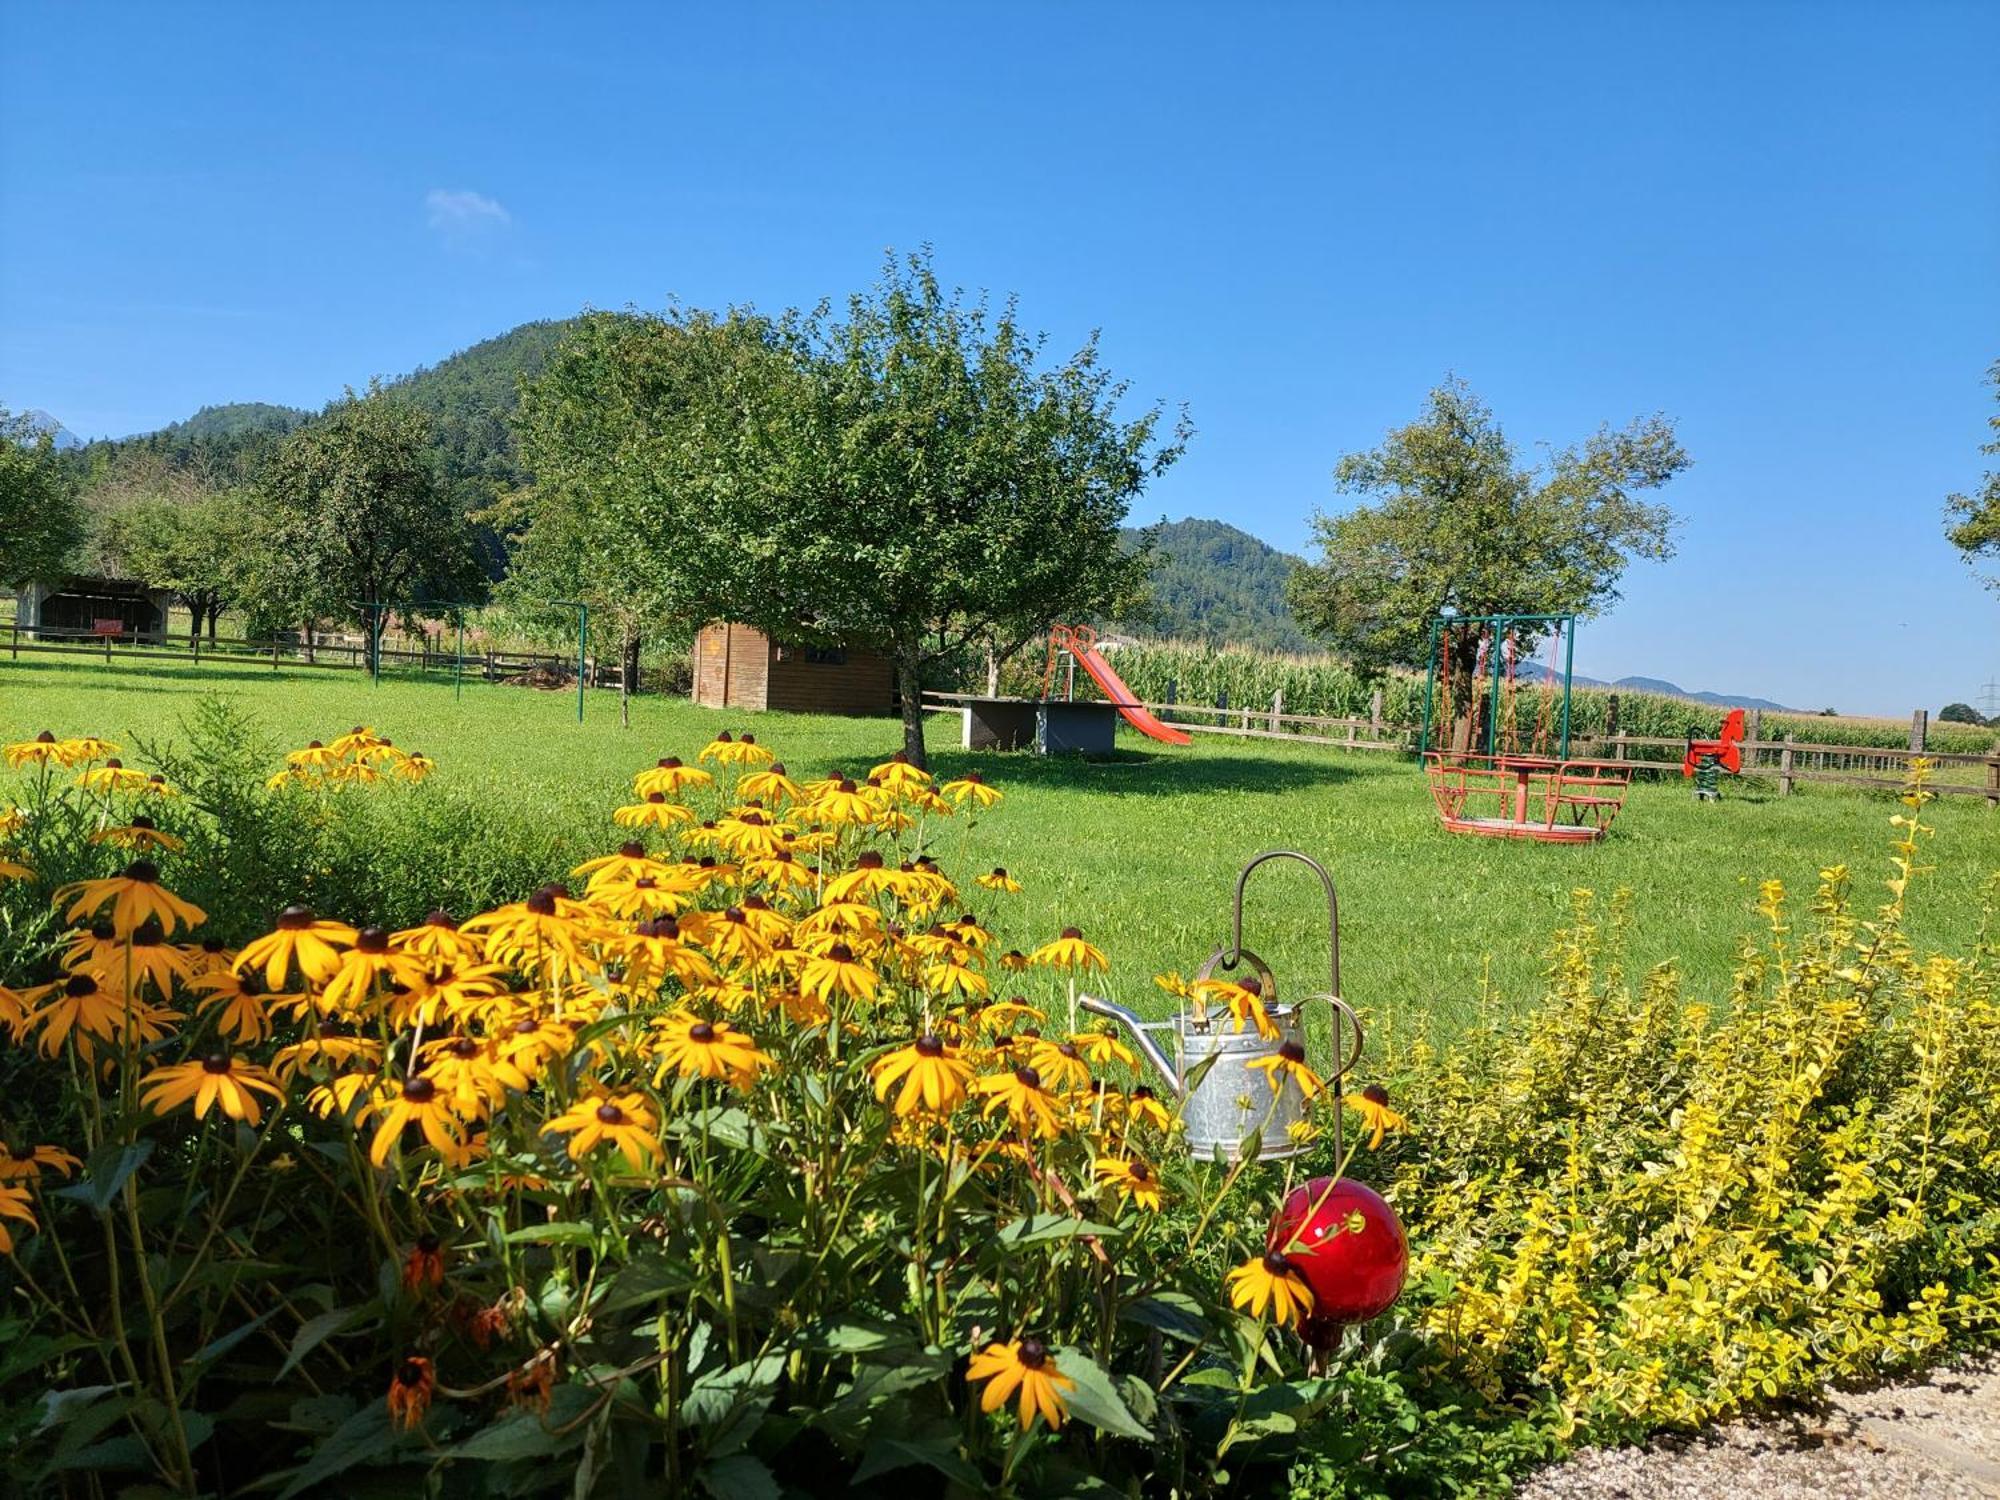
{"points": [[359, 510], [904, 473], [1459, 525], [1975, 528], [209, 549], [40, 520]]}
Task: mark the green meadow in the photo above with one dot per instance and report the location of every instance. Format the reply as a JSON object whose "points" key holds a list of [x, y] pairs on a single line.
{"points": [[1140, 851]]}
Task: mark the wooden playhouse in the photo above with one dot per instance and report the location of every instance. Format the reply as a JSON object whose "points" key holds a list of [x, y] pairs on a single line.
{"points": [[737, 666]]}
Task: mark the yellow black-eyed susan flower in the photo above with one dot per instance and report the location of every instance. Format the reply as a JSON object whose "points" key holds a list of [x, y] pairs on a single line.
{"points": [[1027, 1366], [624, 1121], [216, 1080], [1270, 1283], [931, 1073], [1071, 953]]}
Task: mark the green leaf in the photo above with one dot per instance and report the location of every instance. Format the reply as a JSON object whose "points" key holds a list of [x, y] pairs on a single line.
{"points": [[1040, 1228], [110, 1168], [739, 1477], [1173, 1313], [649, 1278], [937, 1451], [316, 1331], [1095, 1399], [521, 1435], [561, 1232], [221, 1346], [725, 1125], [855, 1336], [364, 1436]]}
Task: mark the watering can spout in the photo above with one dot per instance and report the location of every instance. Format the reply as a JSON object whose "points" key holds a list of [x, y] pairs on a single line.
{"points": [[1141, 1037]]}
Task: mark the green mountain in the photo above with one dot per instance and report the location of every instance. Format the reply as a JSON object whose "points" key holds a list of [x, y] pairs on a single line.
{"points": [[1212, 582], [1218, 585], [469, 397], [220, 423]]}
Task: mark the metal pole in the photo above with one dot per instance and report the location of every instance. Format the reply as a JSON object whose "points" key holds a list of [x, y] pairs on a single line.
{"points": [[1499, 622], [1568, 628], [1430, 691]]}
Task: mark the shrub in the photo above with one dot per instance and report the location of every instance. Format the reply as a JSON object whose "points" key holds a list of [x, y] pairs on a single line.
{"points": [[1640, 1211]]}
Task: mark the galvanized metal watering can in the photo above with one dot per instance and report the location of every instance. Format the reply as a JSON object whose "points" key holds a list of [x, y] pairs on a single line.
{"points": [[1225, 1102]]}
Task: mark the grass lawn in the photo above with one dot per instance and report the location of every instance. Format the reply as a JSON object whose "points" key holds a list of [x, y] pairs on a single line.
{"points": [[1140, 851]]}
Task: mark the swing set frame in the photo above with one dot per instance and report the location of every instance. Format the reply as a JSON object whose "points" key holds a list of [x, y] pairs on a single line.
{"points": [[1499, 659]]}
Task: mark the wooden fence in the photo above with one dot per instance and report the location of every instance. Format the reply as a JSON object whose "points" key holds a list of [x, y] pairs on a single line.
{"points": [[345, 654], [1788, 761]]}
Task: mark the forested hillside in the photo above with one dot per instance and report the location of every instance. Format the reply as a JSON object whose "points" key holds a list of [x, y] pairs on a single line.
{"points": [[1219, 586], [1212, 584]]}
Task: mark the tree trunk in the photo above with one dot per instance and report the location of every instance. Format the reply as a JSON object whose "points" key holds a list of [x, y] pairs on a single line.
{"points": [[213, 611], [628, 675], [910, 688]]}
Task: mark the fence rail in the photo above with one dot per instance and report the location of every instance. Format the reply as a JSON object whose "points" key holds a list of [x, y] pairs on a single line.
{"points": [[1789, 761], [343, 655]]}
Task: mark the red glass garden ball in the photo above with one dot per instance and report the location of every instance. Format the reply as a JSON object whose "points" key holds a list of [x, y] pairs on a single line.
{"points": [[1355, 1266]]}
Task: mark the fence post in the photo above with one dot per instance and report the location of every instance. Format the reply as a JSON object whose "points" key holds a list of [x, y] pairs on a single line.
{"points": [[1173, 688], [1993, 782], [1785, 768], [1920, 726], [1277, 708], [1756, 725], [1374, 716], [1618, 743]]}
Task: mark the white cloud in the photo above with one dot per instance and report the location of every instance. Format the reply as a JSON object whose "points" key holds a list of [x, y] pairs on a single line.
{"points": [[456, 212]]}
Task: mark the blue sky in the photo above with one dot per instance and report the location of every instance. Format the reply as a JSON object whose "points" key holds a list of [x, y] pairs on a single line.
{"points": [[1780, 224]]}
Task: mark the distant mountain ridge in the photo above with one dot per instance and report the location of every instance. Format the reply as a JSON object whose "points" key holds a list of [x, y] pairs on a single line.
{"points": [[1534, 671]]}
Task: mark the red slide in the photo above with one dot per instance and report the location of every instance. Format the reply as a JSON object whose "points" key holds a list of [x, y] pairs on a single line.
{"points": [[1081, 642]]}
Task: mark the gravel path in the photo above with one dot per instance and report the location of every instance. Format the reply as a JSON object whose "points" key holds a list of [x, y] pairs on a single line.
{"points": [[1938, 1439]]}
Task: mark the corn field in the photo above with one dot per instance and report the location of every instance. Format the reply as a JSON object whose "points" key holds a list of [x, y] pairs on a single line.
{"points": [[1323, 687]]}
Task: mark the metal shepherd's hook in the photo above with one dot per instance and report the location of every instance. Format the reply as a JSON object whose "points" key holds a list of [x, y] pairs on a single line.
{"points": [[1344, 1061]]}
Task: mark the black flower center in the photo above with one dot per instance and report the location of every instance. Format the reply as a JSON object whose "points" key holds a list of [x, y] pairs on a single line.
{"points": [[295, 918], [1033, 1353], [419, 1090], [143, 871], [1276, 1263], [79, 984], [840, 953], [372, 940], [1028, 1078], [1292, 1052], [1376, 1094], [632, 850], [929, 1046], [702, 1032], [610, 1114], [215, 1062]]}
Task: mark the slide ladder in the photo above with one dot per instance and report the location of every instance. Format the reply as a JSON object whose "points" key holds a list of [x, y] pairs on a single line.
{"points": [[1081, 642]]}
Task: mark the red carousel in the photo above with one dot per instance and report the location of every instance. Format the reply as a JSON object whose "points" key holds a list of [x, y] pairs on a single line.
{"points": [[1501, 767]]}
